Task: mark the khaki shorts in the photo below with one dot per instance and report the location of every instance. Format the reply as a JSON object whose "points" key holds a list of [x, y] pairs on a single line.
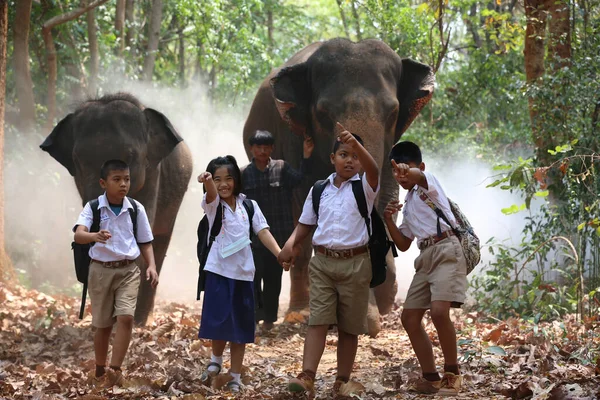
{"points": [[339, 292], [113, 291], [440, 275]]}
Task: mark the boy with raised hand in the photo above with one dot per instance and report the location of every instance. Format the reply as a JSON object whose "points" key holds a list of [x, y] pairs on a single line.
{"points": [[340, 271], [440, 280], [114, 278]]}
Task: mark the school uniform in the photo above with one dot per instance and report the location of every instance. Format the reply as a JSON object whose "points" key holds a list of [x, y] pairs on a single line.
{"points": [[114, 278], [228, 307], [340, 272], [440, 268]]}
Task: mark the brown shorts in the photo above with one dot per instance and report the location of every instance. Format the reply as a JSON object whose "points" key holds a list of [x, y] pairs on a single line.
{"points": [[440, 275], [113, 291], [339, 292]]}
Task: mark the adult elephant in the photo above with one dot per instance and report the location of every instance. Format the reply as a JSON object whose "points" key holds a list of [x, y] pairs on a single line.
{"points": [[118, 126], [367, 88]]}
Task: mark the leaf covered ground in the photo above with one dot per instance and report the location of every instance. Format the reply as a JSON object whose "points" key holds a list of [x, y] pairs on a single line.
{"points": [[47, 353]]}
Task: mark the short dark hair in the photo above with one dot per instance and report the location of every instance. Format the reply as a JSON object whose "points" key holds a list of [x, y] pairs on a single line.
{"points": [[406, 152], [262, 138], [232, 167], [112, 165], [337, 143]]}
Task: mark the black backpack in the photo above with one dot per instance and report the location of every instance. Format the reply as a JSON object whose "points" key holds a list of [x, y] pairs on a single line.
{"points": [[379, 243], [205, 241], [81, 252]]}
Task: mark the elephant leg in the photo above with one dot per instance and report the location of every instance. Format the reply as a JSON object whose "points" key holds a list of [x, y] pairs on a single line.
{"points": [[145, 301], [385, 294], [299, 278], [373, 318]]}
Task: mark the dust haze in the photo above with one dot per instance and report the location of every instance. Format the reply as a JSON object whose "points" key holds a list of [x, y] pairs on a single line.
{"points": [[42, 203]]}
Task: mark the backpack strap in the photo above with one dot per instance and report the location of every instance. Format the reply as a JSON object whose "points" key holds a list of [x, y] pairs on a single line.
{"points": [[361, 201], [216, 228], [317, 191], [423, 196], [249, 206], [133, 213], [95, 206]]}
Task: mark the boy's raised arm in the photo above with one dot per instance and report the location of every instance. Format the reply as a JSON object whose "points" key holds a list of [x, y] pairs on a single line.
{"points": [[366, 159]]}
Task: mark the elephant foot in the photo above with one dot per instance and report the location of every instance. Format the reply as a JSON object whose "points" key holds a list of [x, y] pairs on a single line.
{"points": [[297, 316], [373, 322]]}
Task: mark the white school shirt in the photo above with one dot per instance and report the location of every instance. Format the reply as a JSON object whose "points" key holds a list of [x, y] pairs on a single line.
{"points": [[340, 225], [240, 265], [418, 219], [122, 245]]}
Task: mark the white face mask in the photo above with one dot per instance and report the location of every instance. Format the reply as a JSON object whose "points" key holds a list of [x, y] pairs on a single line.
{"points": [[234, 247]]}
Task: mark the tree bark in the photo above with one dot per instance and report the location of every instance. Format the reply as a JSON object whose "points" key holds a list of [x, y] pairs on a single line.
{"points": [[51, 53], [23, 82], [153, 39], [343, 15], [356, 21], [559, 38], [120, 26], [93, 45], [129, 22], [6, 269], [181, 57], [472, 27]]}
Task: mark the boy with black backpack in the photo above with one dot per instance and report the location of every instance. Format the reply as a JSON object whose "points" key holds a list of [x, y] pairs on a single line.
{"points": [[440, 280], [114, 278], [340, 272]]}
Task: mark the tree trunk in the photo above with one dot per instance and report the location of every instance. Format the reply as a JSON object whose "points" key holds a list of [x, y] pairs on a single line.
{"points": [[559, 38], [129, 22], [93, 45], [474, 28], [51, 53], [24, 84], [535, 32], [153, 38], [343, 15], [356, 21], [120, 26], [270, 28], [6, 270], [181, 57]]}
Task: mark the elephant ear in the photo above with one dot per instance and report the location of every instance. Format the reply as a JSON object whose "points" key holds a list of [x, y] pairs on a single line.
{"points": [[292, 92], [415, 89], [59, 144], [163, 137]]}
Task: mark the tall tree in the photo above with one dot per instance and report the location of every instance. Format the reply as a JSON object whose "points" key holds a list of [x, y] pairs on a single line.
{"points": [[51, 53], [93, 45], [129, 22], [153, 38], [24, 84], [120, 26], [6, 271]]}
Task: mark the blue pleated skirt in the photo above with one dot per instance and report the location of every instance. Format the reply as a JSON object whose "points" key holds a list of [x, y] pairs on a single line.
{"points": [[227, 310]]}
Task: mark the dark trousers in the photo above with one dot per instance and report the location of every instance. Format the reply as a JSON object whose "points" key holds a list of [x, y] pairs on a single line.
{"points": [[267, 281]]}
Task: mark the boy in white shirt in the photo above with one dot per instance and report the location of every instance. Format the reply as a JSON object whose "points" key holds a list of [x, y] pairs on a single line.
{"points": [[340, 271], [114, 278], [440, 280]]}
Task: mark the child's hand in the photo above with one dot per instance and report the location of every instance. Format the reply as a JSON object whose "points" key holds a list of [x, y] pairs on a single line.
{"points": [[345, 136], [308, 146], [286, 265], [392, 208], [102, 236], [400, 169], [152, 275], [204, 177]]}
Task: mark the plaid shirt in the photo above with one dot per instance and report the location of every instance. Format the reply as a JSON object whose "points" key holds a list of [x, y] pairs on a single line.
{"points": [[271, 190]]}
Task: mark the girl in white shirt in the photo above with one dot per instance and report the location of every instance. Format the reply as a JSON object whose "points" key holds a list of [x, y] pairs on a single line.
{"points": [[228, 307]]}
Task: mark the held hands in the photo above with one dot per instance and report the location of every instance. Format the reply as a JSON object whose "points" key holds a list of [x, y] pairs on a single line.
{"points": [[205, 177], [345, 136], [102, 236], [392, 208], [152, 275], [308, 146]]}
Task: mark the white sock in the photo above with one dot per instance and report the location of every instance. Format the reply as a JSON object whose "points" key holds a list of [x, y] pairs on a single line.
{"points": [[236, 377], [215, 359]]}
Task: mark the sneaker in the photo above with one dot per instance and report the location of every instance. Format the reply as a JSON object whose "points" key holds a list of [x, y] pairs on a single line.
{"points": [[425, 387], [302, 383], [451, 384]]}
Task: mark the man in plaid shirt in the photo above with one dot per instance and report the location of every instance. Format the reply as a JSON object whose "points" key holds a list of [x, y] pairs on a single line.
{"points": [[269, 183]]}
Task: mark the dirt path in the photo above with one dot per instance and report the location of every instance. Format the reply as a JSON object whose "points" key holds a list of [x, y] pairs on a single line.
{"points": [[47, 353]]}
